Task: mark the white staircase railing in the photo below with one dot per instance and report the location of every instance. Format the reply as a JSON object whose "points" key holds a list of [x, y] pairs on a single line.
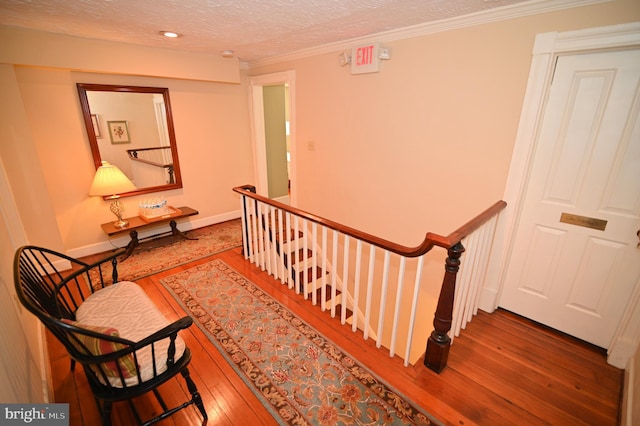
{"points": [[373, 284]]}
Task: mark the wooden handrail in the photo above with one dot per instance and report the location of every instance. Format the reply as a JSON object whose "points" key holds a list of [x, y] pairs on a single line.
{"points": [[427, 244], [153, 148], [133, 155]]}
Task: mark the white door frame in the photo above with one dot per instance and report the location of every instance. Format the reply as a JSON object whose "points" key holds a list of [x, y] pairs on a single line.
{"points": [[545, 50], [257, 128]]}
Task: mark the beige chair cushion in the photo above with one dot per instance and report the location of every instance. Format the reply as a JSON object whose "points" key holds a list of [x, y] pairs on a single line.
{"points": [[128, 309]]}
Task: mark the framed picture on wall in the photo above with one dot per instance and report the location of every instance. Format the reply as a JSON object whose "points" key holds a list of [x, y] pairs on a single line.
{"points": [[95, 120], [118, 131]]}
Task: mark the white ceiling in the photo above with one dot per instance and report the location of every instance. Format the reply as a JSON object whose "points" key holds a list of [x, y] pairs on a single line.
{"points": [[254, 29]]}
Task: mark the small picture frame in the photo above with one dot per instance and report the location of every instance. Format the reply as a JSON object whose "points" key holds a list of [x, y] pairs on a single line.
{"points": [[119, 132], [95, 120]]}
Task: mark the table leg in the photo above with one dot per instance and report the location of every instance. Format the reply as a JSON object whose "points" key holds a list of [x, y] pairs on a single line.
{"points": [[177, 232]]}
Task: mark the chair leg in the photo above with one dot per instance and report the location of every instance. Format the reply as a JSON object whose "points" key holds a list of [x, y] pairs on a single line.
{"points": [[105, 411], [160, 400], [195, 395]]}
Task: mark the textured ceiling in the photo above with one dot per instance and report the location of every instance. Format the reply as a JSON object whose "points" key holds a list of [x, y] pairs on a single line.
{"points": [[254, 29]]}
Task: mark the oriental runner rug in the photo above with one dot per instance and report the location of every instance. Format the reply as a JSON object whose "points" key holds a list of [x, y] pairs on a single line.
{"points": [[300, 376], [209, 240]]}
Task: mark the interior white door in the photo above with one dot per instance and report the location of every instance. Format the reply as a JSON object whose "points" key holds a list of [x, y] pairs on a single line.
{"points": [[574, 260]]}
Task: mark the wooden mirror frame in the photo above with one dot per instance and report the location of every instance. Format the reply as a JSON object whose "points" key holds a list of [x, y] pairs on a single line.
{"points": [[83, 88]]}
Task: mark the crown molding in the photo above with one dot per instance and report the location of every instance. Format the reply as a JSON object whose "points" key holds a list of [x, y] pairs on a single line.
{"points": [[527, 8]]}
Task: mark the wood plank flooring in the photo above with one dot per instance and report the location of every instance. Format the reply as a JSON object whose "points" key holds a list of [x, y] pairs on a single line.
{"points": [[503, 370]]}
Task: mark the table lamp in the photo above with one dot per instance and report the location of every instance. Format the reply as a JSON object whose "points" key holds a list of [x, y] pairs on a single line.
{"points": [[109, 182]]}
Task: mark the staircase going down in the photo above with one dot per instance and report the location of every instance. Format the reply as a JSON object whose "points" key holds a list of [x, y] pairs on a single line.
{"points": [[309, 274], [374, 285]]}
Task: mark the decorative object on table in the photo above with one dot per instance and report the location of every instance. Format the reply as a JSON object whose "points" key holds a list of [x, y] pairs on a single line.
{"points": [[119, 131], [109, 182], [298, 374], [156, 216], [155, 209]]}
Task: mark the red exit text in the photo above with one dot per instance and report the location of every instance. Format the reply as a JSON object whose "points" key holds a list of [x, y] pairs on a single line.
{"points": [[364, 55]]}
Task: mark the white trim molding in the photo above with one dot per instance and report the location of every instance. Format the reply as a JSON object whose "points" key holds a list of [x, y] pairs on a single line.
{"points": [[533, 7], [257, 128], [546, 48]]}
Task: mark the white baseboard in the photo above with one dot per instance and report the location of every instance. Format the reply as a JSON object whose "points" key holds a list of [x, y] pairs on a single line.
{"points": [[488, 300], [123, 240]]}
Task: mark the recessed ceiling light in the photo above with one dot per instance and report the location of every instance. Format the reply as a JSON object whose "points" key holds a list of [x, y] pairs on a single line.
{"points": [[169, 34]]}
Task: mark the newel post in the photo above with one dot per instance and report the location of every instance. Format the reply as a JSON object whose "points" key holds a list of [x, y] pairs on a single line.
{"points": [[439, 341]]}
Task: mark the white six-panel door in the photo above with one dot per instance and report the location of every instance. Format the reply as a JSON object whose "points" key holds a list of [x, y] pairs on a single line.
{"points": [[565, 270]]}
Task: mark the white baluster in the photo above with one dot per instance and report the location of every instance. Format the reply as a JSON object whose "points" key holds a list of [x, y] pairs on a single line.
{"points": [[253, 231], [245, 240], [314, 263], [356, 290], [296, 257], [345, 281], [396, 313], [323, 291], [462, 286], [414, 305], [367, 309], [303, 262], [290, 251], [383, 297], [259, 223], [281, 244], [268, 244], [334, 275]]}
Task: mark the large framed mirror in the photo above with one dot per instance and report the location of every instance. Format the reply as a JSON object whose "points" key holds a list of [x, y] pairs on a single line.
{"points": [[132, 128]]}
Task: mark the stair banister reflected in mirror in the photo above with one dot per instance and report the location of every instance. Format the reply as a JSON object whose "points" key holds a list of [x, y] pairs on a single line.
{"points": [[132, 128]]}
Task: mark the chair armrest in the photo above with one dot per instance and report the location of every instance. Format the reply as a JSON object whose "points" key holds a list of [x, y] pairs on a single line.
{"points": [[129, 353], [168, 331]]}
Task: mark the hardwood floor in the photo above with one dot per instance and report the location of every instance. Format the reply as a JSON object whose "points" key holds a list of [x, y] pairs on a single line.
{"points": [[503, 370]]}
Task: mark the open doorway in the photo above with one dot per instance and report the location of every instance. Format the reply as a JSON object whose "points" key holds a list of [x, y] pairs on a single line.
{"points": [[273, 126]]}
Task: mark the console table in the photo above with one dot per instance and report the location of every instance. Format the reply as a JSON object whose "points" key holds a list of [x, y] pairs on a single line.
{"points": [[136, 223]]}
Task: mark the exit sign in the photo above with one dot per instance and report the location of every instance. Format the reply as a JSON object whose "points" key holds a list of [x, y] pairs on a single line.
{"points": [[364, 59]]}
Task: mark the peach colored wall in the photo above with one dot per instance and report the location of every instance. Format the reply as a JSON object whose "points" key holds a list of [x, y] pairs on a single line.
{"points": [[41, 49], [211, 125], [22, 167], [24, 199], [426, 143]]}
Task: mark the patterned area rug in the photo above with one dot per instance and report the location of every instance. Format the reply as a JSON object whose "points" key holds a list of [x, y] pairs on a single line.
{"points": [[210, 240], [300, 376]]}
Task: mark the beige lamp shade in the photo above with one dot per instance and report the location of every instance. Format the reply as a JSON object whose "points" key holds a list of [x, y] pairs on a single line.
{"points": [[109, 180]]}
